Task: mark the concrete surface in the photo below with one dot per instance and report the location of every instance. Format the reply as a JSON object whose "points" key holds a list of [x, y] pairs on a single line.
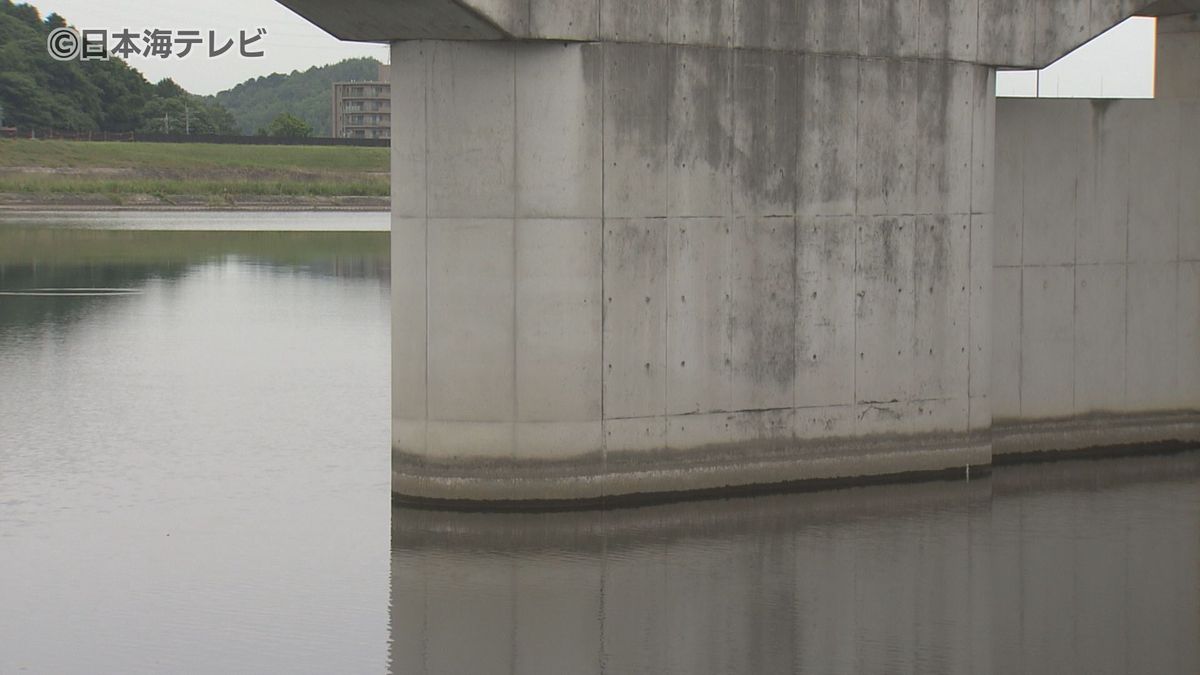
{"points": [[658, 247], [1097, 309], [1008, 33], [644, 271], [1096, 297], [1177, 57]]}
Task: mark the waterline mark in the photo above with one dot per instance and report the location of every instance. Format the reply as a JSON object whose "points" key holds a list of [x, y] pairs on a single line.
{"points": [[93, 44]]}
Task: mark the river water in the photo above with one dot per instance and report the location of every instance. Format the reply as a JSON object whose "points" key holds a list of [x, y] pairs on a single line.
{"points": [[194, 478]]}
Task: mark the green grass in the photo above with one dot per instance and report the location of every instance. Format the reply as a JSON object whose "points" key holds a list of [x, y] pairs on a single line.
{"points": [[324, 186], [84, 154], [117, 169], [68, 247]]}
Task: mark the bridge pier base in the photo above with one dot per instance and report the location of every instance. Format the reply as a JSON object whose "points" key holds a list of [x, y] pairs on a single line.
{"points": [[630, 268]]}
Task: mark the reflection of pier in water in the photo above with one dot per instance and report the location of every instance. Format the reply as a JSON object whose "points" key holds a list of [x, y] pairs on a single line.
{"points": [[986, 576]]}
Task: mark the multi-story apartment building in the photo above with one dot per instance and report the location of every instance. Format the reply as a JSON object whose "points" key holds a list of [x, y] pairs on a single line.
{"points": [[363, 109]]}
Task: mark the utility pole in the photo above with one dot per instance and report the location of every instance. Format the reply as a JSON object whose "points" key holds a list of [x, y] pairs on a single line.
{"points": [[187, 120], [166, 123]]}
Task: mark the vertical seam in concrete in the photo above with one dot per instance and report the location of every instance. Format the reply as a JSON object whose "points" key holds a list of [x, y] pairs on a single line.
{"points": [[1125, 309], [855, 228], [667, 36], [980, 58], [732, 44], [860, 51], [980, 94], [427, 66], [727, 347], [516, 407], [858, 66], [857, 122], [669, 224], [798, 60], [921, 7], [854, 222], [1178, 192], [666, 339], [603, 49], [1175, 265], [1075, 267], [1021, 283], [731, 158], [730, 224], [795, 309], [731, 213]]}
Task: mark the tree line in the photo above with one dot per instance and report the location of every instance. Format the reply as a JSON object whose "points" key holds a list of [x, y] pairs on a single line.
{"points": [[39, 92]]}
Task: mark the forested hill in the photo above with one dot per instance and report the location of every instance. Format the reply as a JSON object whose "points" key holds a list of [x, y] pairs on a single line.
{"points": [[40, 92], [305, 94]]}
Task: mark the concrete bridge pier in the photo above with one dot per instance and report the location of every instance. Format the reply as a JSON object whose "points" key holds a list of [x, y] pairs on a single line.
{"points": [[1097, 265], [643, 248], [625, 268]]}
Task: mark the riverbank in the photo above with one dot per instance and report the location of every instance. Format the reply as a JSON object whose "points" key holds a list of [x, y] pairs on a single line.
{"points": [[82, 175], [21, 202]]}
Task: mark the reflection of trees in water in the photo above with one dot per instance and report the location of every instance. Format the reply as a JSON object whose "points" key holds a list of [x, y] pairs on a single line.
{"points": [[64, 258], [18, 277], [358, 253], [56, 310]]}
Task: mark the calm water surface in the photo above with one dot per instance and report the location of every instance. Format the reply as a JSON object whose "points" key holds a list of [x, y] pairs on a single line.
{"points": [[194, 478]]}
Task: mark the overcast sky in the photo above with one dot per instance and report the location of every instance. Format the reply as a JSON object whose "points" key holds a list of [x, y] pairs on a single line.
{"points": [[1119, 63]]}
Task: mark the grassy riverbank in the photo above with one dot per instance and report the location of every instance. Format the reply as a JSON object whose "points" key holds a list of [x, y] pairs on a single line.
{"points": [[57, 173], [67, 247]]}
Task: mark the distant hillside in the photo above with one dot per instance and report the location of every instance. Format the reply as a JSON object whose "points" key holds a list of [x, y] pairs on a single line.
{"points": [[304, 94], [39, 92]]}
